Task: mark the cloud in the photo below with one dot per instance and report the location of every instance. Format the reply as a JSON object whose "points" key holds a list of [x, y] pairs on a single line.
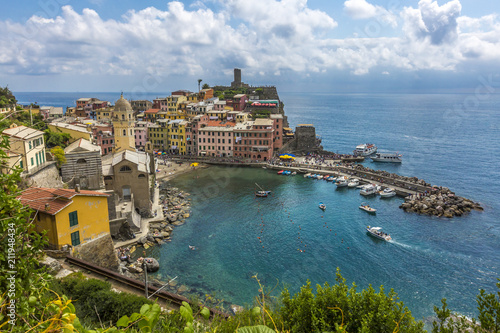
{"points": [[263, 37], [438, 23], [361, 9]]}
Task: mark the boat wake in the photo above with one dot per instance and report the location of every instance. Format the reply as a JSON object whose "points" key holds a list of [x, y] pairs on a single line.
{"points": [[400, 244]]}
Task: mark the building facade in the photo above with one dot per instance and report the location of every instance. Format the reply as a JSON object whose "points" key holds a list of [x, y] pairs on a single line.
{"points": [[123, 125], [27, 146]]}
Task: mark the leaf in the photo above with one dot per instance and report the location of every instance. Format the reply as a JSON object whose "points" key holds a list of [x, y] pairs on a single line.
{"points": [[255, 329], [256, 311], [186, 313], [205, 313], [123, 321]]}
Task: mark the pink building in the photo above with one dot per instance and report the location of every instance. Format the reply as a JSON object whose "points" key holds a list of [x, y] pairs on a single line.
{"points": [[216, 138], [104, 137], [141, 134], [192, 134], [254, 140]]}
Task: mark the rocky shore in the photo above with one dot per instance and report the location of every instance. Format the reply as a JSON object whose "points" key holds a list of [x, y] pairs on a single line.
{"points": [[439, 202]]}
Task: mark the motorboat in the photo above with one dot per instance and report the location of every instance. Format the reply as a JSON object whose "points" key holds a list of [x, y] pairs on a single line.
{"points": [[367, 208], [319, 177], [353, 182], [325, 177], [387, 193], [365, 149], [307, 175], [377, 233], [369, 190], [294, 173], [330, 179], [387, 157], [342, 182], [280, 172], [362, 186], [322, 206]]}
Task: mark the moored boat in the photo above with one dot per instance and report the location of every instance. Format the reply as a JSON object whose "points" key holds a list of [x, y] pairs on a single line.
{"points": [[367, 208], [322, 206], [307, 175], [387, 157], [368, 190], [377, 233], [387, 193], [365, 149], [280, 172], [341, 182], [353, 182]]}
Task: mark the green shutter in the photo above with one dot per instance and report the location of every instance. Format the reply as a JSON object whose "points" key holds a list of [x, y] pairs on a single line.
{"points": [[75, 238], [73, 219]]}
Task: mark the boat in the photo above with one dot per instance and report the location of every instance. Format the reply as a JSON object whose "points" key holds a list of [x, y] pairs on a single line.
{"points": [[341, 182], [307, 175], [353, 182], [362, 186], [377, 233], [261, 192], [387, 157], [319, 177], [330, 179], [280, 172], [367, 208], [325, 177], [369, 190], [387, 193], [322, 206], [365, 149], [294, 173]]}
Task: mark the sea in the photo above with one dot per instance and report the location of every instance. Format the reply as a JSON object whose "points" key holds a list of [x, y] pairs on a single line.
{"points": [[285, 240]]}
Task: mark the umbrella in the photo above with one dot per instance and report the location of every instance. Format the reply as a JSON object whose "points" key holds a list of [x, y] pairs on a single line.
{"points": [[194, 164]]}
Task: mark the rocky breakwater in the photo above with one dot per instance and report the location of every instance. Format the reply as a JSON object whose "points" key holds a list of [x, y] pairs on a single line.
{"points": [[439, 202]]}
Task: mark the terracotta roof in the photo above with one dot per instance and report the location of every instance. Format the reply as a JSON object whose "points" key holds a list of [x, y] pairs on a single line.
{"points": [[52, 200], [152, 111], [220, 123]]}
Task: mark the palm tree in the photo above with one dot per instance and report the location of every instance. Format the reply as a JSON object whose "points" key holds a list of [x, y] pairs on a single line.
{"points": [[199, 81]]}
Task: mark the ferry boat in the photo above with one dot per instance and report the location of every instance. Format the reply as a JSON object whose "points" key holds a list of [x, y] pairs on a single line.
{"points": [[387, 157], [365, 149], [375, 232], [369, 190]]}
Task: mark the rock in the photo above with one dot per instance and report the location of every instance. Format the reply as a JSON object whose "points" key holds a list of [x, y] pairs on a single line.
{"points": [[152, 265], [186, 215], [143, 240], [52, 265], [134, 269], [182, 289], [165, 234]]}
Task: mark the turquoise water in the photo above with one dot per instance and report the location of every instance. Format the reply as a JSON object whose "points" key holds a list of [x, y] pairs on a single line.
{"points": [[450, 140]]}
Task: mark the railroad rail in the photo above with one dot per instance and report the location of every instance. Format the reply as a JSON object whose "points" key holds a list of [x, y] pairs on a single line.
{"points": [[136, 284]]}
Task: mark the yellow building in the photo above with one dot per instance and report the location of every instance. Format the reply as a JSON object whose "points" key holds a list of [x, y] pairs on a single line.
{"points": [[177, 136], [70, 217], [158, 135], [27, 148], [104, 114], [77, 132]]}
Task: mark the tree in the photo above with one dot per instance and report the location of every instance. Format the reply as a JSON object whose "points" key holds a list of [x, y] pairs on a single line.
{"points": [[22, 281], [199, 81], [53, 139], [59, 155], [205, 86]]}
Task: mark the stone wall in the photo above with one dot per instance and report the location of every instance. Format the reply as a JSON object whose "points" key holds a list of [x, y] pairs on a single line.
{"points": [[46, 177], [83, 168], [100, 252], [305, 137]]}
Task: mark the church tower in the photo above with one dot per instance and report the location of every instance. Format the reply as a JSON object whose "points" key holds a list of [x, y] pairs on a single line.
{"points": [[123, 124]]}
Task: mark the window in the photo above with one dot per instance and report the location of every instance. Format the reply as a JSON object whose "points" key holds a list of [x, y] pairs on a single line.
{"points": [[124, 132], [75, 238], [81, 161], [141, 176], [32, 161], [73, 218], [125, 168]]}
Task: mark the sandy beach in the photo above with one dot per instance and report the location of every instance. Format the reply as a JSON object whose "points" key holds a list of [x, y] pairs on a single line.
{"points": [[171, 169]]}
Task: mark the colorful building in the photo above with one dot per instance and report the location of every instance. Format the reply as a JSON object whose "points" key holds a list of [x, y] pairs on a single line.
{"points": [[27, 147], [141, 134], [177, 136], [123, 125], [70, 217]]}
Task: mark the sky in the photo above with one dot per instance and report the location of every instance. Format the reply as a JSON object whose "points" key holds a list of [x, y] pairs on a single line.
{"points": [[355, 46]]}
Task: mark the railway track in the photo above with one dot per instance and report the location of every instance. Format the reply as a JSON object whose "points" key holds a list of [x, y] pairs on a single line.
{"points": [[136, 284]]}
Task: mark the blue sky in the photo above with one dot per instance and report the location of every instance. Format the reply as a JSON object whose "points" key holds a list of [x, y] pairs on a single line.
{"points": [[297, 45]]}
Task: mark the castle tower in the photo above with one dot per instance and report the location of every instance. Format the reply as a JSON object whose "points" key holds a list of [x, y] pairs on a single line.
{"points": [[123, 124]]}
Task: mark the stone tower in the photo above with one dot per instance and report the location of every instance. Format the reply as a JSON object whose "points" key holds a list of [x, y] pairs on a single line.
{"points": [[237, 78], [123, 124]]}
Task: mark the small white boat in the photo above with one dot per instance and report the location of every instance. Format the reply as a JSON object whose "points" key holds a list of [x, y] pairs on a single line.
{"points": [[377, 233], [330, 179], [342, 182], [362, 186], [319, 177], [353, 183], [387, 157], [369, 190], [262, 194], [322, 206], [387, 193], [294, 173], [307, 175], [367, 208]]}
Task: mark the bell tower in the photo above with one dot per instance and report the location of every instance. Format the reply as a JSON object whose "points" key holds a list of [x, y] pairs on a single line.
{"points": [[123, 124]]}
